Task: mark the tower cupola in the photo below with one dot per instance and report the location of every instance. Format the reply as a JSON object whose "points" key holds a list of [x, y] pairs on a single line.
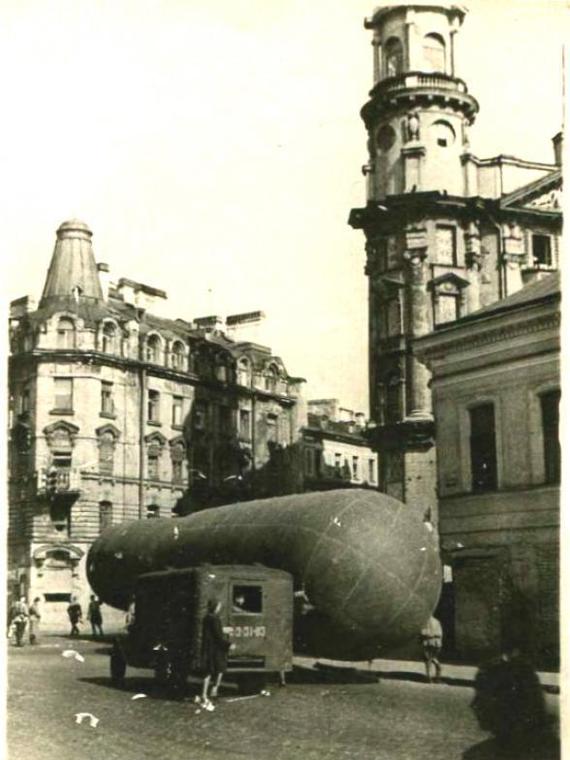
{"points": [[419, 111], [72, 272]]}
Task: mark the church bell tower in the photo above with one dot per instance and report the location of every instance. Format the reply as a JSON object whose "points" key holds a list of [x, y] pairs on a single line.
{"points": [[422, 251]]}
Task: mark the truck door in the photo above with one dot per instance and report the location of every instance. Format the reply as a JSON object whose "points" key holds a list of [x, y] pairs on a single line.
{"points": [[247, 624]]}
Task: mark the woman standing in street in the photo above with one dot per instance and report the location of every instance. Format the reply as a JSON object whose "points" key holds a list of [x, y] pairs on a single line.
{"points": [[215, 648]]}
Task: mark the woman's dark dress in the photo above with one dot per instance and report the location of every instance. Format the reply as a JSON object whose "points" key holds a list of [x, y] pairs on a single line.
{"points": [[215, 646]]}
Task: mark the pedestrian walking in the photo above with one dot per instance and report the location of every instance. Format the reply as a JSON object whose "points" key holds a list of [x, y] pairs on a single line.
{"points": [[215, 648], [19, 619], [34, 620], [432, 640], [95, 616], [75, 615]]}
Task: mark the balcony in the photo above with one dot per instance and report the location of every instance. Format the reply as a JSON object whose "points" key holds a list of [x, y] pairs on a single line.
{"points": [[59, 483], [415, 79]]}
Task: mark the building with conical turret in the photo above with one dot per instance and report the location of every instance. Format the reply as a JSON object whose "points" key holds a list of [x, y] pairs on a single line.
{"points": [[117, 414]]}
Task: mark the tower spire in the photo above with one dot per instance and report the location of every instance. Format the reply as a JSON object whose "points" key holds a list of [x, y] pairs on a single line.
{"points": [[72, 272]]}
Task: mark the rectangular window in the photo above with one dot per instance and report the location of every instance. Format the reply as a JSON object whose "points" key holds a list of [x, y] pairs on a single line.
{"points": [[355, 468], [63, 394], [226, 420], [247, 599], [199, 415], [271, 427], [371, 471], [309, 462], [542, 251], [447, 308], [177, 405], [107, 405], [25, 400], [483, 448], [153, 510], [445, 245], [61, 460], [105, 515], [153, 469], [549, 403], [337, 465], [177, 471], [153, 406], [106, 454], [245, 424]]}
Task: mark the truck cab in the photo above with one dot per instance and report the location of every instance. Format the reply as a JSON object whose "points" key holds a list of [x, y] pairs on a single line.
{"points": [[164, 632]]}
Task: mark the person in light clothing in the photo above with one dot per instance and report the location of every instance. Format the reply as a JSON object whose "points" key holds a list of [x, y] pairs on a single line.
{"points": [[432, 640]]}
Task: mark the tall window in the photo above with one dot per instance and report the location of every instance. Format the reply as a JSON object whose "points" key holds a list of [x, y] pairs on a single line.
{"points": [[25, 401], [153, 462], [245, 424], [105, 515], [272, 421], [199, 415], [153, 349], [65, 333], [177, 357], [542, 251], [63, 394], [243, 373], [371, 471], [445, 245], [447, 308], [392, 398], [107, 405], [434, 52], [309, 462], [393, 57], [153, 406], [549, 403], [338, 464], [355, 468], [177, 406], [177, 457], [221, 370], [109, 338], [483, 448], [106, 453]]}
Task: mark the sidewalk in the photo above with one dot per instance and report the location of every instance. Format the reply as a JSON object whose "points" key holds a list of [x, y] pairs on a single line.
{"points": [[413, 670]]}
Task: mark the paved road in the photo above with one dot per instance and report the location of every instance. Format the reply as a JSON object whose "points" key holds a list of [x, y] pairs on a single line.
{"points": [[318, 716]]}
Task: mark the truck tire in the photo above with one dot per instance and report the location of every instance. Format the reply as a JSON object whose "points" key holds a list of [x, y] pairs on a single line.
{"points": [[118, 665], [251, 683]]}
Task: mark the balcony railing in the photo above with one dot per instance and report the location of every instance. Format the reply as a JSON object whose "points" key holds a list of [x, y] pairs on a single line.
{"points": [[419, 79]]}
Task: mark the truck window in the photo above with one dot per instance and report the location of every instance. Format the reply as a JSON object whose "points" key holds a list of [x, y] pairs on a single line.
{"points": [[247, 599]]}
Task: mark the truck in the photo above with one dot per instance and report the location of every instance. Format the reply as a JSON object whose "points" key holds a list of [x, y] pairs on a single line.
{"points": [[164, 624]]}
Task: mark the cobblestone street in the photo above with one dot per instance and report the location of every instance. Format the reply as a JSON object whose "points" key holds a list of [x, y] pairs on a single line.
{"points": [[326, 715]]}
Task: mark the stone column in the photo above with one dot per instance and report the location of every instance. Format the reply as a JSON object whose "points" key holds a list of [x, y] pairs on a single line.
{"points": [[418, 393], [474, 262]]}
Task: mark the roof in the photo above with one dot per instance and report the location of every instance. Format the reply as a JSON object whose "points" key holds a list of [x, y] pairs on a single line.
{"points": [[544, 289], [528, 192]]}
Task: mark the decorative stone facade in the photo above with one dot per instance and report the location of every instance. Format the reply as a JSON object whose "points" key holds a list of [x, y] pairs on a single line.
{"points": [[117, 414]]}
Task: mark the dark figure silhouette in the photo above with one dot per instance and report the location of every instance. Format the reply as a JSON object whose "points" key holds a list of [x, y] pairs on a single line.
{"points": [[509, 703]]}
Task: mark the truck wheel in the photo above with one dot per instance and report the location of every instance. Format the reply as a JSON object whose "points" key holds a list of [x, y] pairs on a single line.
{"points": [[251, 683], [118, 666]]}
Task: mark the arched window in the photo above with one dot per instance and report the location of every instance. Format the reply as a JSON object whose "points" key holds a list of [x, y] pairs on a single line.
{"points": [[177, 356], [65, 333], [442, 133], [153, 348], [393, 57], [271, 378], [109, 342], [105, 515], [434, 53], [244, 371]]}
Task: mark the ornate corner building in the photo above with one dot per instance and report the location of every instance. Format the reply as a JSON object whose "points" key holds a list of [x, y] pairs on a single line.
{"points": [[447, 233], [117, 414]]}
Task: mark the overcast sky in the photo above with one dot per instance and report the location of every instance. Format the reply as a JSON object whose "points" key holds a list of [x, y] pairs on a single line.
{"points": [[215, 150]]}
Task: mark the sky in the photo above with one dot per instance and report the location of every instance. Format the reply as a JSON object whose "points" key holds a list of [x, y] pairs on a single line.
{"points": [[215, 150]]}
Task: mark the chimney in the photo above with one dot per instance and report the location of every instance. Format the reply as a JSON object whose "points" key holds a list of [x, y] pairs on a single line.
{"points": [[72, 272], [245, 328], [558, 145], [104, 278]]}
